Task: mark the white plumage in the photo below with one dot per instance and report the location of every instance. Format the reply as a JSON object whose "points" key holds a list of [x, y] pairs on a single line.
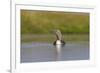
{"points": [[58, 42]]}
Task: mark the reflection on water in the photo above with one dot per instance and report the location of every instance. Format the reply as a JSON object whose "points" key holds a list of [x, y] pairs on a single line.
{"points": [[46, 52], [58, 51]]}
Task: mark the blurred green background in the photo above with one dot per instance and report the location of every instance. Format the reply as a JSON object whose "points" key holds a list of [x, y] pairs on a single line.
{"points": [[73, 25]]}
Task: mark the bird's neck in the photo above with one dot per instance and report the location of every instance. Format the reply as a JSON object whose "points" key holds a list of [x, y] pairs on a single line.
{"points": [[58, 37]]}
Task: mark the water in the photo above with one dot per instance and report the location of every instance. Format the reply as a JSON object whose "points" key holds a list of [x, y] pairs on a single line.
{"points": [[46, 52]]}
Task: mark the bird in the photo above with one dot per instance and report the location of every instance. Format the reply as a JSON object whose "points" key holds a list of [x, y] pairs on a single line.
{"points": [[59, 41]]}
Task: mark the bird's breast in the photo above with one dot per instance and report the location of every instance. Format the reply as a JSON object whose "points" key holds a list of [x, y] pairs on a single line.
{"points": [[58, 42]]}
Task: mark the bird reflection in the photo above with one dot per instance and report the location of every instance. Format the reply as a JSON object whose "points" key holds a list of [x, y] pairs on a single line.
{"points": [[58, 52]]}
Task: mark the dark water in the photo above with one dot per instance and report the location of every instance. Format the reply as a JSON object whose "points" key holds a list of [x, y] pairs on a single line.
{"points": [[46, 52]]}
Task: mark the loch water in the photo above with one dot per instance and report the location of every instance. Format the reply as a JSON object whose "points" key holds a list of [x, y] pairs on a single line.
{"points": [[47, 52]]}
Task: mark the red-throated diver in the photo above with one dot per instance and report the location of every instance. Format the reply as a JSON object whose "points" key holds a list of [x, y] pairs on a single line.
{"points": [[59, 40]]}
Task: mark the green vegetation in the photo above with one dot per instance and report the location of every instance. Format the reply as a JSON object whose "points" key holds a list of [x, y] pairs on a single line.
{"points": [[36, 26], [43, 22]]}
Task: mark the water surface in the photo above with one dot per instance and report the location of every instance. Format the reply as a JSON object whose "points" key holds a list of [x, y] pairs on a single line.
{"points": [[47, 52]]}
